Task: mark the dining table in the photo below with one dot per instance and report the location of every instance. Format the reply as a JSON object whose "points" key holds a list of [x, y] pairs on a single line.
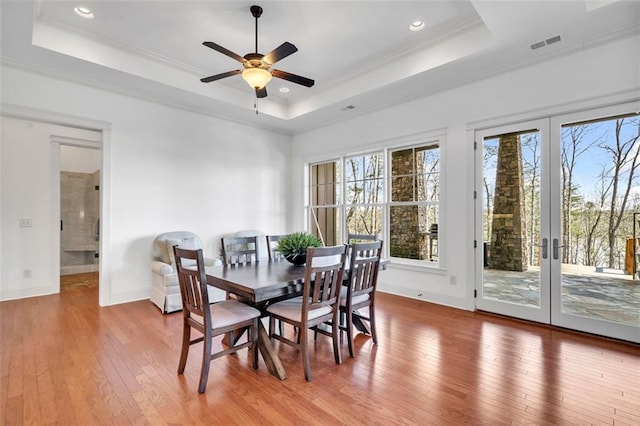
{"points": [[261, 284]]}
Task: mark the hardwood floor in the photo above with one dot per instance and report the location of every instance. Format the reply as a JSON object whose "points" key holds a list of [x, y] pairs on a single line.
{"points": [[65, 360], [88, 279]]}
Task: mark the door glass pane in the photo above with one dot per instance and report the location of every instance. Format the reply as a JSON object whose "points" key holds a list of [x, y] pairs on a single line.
{"points": [[511, 218], [600, 213]]}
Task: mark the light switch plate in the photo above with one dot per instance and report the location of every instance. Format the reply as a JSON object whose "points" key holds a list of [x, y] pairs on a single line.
{"points": [[25, 223]]}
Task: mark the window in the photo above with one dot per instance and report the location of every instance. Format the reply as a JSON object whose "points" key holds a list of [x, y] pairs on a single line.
{"points": [[364, 204], [406, 215], [324, 202], [413, 210]]}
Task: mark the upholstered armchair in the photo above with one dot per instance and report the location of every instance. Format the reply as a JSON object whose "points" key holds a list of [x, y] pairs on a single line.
{"points": [[165, 290]]}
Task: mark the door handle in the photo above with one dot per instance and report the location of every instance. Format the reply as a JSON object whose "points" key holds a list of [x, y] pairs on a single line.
{"points": [[544, 248], [555, 248]]}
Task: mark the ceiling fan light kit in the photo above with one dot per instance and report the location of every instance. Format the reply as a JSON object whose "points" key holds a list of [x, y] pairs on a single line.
{"points": [[257, 78], [257, 67]]}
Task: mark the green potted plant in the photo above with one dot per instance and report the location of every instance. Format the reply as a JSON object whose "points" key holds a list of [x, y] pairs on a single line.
{"points": [[294, 246]]}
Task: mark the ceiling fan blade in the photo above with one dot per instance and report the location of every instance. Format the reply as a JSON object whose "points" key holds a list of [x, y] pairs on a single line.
{"points": [[219, 76], [304, 81], [224, 51], [280, 52], [261, 93]]}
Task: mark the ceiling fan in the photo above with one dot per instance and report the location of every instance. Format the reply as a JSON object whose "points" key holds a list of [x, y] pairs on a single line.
{"points": [[257, 67]]}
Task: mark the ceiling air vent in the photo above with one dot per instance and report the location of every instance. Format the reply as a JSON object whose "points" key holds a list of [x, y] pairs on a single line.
{"points": [[537, 45], [552, 40], [547, 42]]}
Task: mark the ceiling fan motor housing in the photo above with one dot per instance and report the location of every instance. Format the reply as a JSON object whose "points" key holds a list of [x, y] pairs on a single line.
{"points": [[254, 60], [256, 11]]}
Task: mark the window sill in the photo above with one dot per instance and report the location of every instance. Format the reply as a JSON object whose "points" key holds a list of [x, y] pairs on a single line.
{"points": [[420, 266]]}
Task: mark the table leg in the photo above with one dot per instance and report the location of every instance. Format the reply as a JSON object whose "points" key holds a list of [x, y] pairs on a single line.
{"points": [[237, 335], [271, 359], [359, 324]]}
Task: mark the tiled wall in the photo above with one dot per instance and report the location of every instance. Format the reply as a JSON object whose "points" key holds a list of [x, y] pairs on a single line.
{"points": [[79, 211]]}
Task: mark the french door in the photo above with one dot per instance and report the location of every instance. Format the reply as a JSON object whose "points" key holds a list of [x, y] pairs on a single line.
{"points": [[555, 208]]}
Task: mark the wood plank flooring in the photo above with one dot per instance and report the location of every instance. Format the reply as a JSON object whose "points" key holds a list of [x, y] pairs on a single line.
{"points": [[65, 360]]}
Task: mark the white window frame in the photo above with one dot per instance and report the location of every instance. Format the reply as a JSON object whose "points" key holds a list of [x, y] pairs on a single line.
{"points": [[437, 139], [390, 203]]}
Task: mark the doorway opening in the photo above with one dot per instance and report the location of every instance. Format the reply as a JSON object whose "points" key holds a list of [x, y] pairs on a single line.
{"points": [[79, 216], [558, 201]]}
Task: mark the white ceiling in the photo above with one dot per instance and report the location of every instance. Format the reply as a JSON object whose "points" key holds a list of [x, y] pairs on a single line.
{"points": [[360, 53]]}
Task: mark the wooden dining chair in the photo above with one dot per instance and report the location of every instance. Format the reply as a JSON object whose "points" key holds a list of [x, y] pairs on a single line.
{"points": [[272, 245], [237, 250], [210, 320], [360, 291], [318, 303]]}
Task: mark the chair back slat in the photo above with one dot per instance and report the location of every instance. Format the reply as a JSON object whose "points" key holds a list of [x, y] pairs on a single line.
{"points": [[193, 282], [323, 276], [272, 245], [238, 250], [364, 265], [353, 238]]}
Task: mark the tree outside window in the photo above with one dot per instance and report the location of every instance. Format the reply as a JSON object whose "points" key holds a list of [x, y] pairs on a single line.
{"points": [[364, 176]]}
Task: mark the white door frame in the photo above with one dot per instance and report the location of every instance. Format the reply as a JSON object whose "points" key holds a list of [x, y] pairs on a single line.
{"points": [[57, 142], [26, 113], [540, 313], [551, 269], [575, 322]]}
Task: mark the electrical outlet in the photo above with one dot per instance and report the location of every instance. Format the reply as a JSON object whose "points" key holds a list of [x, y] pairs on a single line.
{"points": [[453, 280], [26, 273], [24, 223]]}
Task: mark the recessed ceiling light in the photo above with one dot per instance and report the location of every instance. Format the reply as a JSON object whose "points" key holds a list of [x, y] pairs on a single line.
{"points": [[284, 89], [84, 12], [416, 25]]}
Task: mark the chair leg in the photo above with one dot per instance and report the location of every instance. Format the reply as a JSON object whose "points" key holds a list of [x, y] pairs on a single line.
{"points": [[281, 328], [305, 353], [342, 326], [335, 334], [372, 324], [206, 362], [253, 335], [186, 338], [349, 314]]}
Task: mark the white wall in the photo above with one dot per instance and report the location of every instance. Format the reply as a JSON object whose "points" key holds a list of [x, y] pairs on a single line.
{"points": [[79, 160], [604, 74], [166, 169], [26, 180]]}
